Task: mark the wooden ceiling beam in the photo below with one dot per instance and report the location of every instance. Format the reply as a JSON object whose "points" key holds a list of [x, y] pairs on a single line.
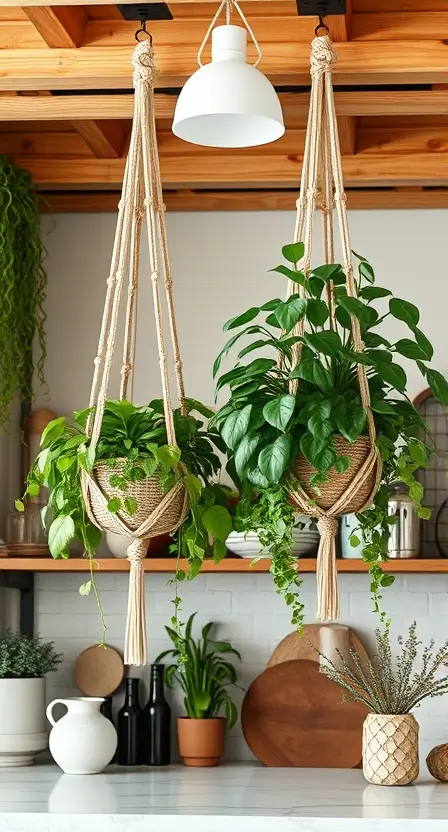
{"points": [[340, 25], [104, 138], [61, 27], [107, 201], [295, 105], [420, 25], [240, 171], [285, 63]]}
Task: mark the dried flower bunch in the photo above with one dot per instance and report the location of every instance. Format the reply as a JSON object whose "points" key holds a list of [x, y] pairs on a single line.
{"points": [[26, 657], [389, 684]]}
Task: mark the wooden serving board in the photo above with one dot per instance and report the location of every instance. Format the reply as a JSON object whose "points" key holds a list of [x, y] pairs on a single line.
{"points": [[304, 646], [99, 671], [293, 716]]}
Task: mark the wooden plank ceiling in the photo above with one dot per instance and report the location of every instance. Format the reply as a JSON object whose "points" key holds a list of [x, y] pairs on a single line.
{"points": [[66, 103]]}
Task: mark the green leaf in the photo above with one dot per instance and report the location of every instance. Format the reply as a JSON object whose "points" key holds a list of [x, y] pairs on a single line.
{"points": [[245, 450], [424, 343], [218, 522], [379, 356], [130, 504], [311, 447], [317, 312], [19, 505], [53, 431], [63, 464], [114, 505], [360, 257], [366, 271], [271, 305], [416, 491], [394, 375], [350, 418], [315, 286], [249, 330], [271, 320], [438, 385], [278, 411], [33, 489], [419, 453], [60, 533], [372, 339], [342, 465], [404, 311], [194, 404], [354, 540], [328, 342], [293, 252], [329, 271], [318, 423], [343, 317], [235, 426], [239, 320], [86, 588], [387, 580], [424, 513], [194, 488], [410, 349], [255, 476], [290, 312], [295, 276], [365, 314], [149, 465], [382, 406], [273, 460], [168, 456], [373, 292]]}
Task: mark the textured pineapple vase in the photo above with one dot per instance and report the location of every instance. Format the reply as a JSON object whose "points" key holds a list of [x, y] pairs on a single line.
{"points": [[390, 749]]}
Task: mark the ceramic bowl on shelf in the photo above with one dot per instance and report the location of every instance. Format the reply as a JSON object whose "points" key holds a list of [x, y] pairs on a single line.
{"points": [[247, 544]]}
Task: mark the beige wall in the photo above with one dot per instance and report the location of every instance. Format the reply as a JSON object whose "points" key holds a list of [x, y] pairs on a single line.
{"points": [[220, 266]]}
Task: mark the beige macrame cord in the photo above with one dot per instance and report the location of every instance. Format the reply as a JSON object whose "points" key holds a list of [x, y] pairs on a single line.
{"points": [[322, 187], [141, 199]]}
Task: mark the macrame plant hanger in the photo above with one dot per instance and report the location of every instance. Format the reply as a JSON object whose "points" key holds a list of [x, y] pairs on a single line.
{"points": [[322, 188], [157, 513]]}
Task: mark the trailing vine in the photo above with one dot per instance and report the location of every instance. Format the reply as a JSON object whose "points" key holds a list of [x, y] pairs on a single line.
{"points": [[22, 287]]}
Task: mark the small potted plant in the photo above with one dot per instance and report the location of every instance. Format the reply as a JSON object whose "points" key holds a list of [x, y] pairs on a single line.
{"points": [[24, 663], [294, 423], [391, 688], [203, 671]]}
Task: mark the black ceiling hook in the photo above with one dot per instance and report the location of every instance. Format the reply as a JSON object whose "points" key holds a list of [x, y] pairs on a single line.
{"points": [[143, 31], [321, 28]]}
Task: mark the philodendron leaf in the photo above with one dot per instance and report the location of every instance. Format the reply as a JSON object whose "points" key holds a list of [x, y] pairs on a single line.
{"points": [[244, 452], [278, 411], [410, 349], [317, 312], [295, 276], [311, 446], [394, 375], [438, 385], [293, 252], [327, 342], [424, 343], [404, 311], [239, 320], [218, 522], [366, 271], [374, 292], [289, 313], [273, 460], [330, 271], [235, 426], [60, 533]]}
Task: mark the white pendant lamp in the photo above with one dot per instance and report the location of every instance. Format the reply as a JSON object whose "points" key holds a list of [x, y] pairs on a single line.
{"points": [[228, 102]]}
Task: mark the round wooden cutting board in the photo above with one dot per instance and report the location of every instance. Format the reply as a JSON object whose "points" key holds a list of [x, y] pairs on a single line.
{"points": [[293, 716], [304, 646], [99, 671]]}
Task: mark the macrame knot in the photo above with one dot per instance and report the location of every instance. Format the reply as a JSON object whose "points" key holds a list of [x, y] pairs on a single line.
{"points": [[328, 526], [322, 55], [143, 63], [137, 550]]}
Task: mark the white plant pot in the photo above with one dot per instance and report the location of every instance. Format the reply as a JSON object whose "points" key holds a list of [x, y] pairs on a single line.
{"points": [[247, 544], [118, 544], [83, 741], [22, 721]]}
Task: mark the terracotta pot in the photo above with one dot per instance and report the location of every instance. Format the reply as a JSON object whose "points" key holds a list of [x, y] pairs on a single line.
{"points": [[390, 749], [201, 741]]}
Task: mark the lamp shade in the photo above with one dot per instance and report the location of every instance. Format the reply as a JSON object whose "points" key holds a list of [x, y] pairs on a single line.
{"points": [[228, 102]]}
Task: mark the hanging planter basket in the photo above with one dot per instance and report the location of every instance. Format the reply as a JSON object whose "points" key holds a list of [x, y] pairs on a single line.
{"points": [[156, 512], [322, 189]]}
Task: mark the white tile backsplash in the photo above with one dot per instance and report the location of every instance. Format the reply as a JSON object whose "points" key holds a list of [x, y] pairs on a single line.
{"points": [[247, 611]]}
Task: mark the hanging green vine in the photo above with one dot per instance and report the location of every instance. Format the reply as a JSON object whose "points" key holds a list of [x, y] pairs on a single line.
{"points": [[22, 287]]}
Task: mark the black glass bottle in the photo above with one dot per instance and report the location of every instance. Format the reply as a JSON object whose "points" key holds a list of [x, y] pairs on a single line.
{"points": [[130, 724], [157, 734], [106, 710]]}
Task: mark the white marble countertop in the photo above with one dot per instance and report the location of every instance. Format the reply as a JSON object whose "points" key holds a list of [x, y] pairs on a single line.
{"points": [[233, 798]]}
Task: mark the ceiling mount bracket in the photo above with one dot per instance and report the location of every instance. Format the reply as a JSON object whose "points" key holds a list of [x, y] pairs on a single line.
{"points": [[321, 7], [145, 11]]}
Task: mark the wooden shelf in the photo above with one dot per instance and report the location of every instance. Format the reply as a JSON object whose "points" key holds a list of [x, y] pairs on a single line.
{"points": [[47, 564]]}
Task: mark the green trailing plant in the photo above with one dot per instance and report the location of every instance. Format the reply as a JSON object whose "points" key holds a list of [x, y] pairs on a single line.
{"points": [[203, 671], [388, 684], [22, 287], [266, 422], [137, 435], [26, 657]]}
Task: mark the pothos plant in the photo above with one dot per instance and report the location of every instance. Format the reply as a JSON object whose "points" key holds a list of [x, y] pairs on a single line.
{"points": [[266, 423], [137, 435]]}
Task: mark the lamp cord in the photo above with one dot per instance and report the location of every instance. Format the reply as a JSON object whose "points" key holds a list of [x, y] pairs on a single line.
{"points": [[229, 5]]}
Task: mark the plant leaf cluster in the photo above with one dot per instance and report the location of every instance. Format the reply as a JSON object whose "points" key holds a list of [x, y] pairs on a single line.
{"points": [[26, 657], [203, 671], [303, 392], [389, 685]]}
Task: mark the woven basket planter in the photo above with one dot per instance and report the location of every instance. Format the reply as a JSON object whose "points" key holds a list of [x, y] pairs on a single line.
{"points": [[390, 749], [332, 491], [149, 496]]}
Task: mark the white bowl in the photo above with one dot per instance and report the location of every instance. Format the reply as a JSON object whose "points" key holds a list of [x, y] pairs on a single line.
{"points": [[247, 544], [118, 544]]}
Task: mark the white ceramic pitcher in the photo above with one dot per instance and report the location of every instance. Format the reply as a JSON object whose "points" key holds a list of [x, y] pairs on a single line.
{"points": [[83, 741]]}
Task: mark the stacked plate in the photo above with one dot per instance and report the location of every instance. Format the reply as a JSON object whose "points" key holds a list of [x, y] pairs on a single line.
{"points": [[247, 544]]}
